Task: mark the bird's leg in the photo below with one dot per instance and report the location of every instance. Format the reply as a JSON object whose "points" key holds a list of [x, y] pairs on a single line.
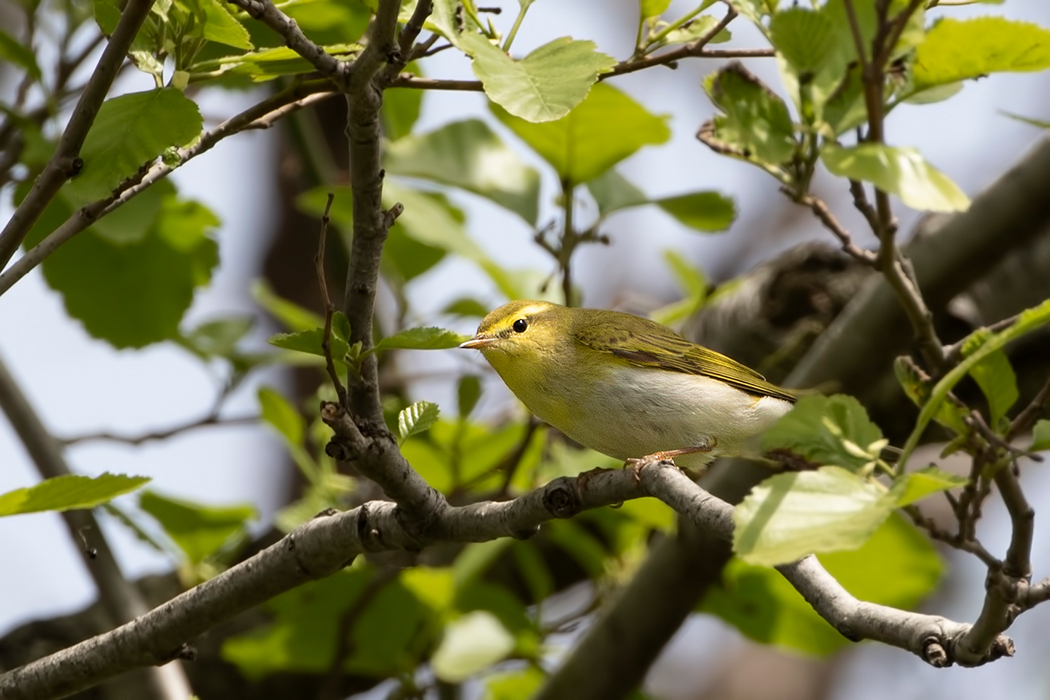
{"points": [[637, 464]]}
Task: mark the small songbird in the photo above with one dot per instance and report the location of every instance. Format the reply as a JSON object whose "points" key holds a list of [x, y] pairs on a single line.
{"points": [[626, 386]]}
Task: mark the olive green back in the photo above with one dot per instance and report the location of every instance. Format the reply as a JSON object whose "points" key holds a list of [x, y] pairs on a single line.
{"points": [[645, 343]]}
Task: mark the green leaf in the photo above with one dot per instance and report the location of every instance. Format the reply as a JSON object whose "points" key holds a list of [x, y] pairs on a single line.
{"points": [[514, 685], [653, 8], [470, 645], [545, 85], [755, 124], [333, 21], [416, 419], [306, 626], [278, 412], [132, 221], [695, 29], [401, 108], [267, 64], [69, 492], [135, 293], [1040, 436], [1038, 123], [844, 108], [791, 515], [922, 483], [897, 567], [12, 51], [934, 94], [694, 286], [222, 27], [918, 387], [129, 131], [429, 218], [997, 380], [198, 530], [405, 258], [469, 155], [391, 633], [899, 171], [612, 192], [310, 342], [604, 129], [971, 48], [465, 306], [290, 314], [828, 430], [431, 463], [422, 339], [468, 391], [803, 37], [218, 337], [700, 211], [1027, 321]]}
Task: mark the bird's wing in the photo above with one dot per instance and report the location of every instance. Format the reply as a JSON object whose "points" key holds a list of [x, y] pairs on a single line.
{"points": [[660, 348]]}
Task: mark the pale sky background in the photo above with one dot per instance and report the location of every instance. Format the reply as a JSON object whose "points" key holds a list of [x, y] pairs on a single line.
{"points": [[81, 385]]}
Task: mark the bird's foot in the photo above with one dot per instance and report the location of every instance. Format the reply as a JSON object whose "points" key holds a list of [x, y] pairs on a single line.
{"points": [[638, 464]]}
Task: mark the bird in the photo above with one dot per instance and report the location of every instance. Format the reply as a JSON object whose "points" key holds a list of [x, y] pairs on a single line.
{"points": [[627, 386]]}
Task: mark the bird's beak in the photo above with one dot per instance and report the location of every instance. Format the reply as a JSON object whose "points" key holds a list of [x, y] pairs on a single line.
{"points": [[478, 342]]}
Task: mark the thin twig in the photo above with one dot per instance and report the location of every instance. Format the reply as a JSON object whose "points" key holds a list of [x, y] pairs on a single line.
{"points": [[211, 420], [822, 212], [329, 308], [1031, 413], [955, 541]]}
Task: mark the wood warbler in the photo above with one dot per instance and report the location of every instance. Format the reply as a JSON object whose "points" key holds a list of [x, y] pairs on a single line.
{"points": [[627, 386]]}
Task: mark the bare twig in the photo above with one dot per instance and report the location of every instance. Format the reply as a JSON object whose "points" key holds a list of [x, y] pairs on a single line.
{"points": [[955, 541], [822, 212], [210, 420], [329, 308], [66, 160], [1031, 413]]}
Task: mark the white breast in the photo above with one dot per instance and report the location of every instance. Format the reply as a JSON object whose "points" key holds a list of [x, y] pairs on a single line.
{"points": [[668, 411]]}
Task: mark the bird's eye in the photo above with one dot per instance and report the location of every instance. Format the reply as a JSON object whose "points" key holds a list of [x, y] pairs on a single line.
{"points": [[520, 325]]}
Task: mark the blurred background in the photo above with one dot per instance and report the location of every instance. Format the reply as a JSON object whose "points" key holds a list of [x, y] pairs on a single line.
{"points": [[82, 386]]}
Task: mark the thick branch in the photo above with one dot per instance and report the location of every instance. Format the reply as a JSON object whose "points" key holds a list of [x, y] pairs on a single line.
{"points": [[66, 161], [327, 543], [120, 599]]}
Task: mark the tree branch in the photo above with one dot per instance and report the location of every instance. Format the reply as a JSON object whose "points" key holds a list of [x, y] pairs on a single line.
{"points": [[120, 599], [267, 13], [670, 58], [212, 419], [66, 160]]}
